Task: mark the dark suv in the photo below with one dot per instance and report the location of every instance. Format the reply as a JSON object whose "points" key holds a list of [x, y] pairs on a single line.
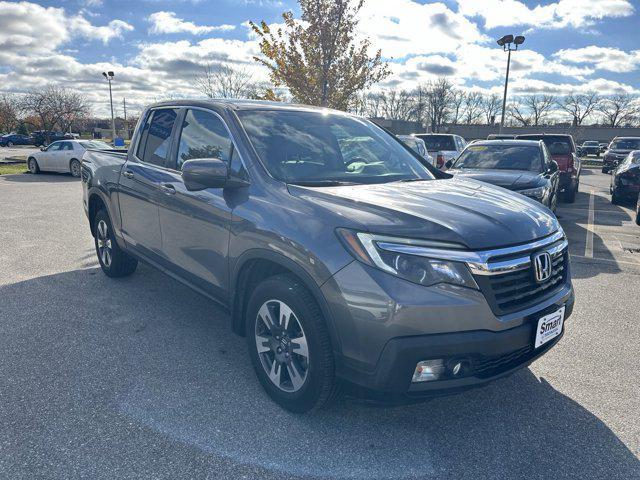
{"points": [[563, 151], [340, 255]]}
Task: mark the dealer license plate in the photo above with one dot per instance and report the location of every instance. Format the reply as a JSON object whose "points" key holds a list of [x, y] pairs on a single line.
{"points": [[549, 327]]}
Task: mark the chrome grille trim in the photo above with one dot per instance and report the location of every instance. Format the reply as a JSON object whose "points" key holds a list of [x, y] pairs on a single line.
{"points": [[486, 262]]}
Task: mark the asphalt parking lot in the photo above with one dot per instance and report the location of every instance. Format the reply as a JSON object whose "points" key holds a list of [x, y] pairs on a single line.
{"points": [[142, 378]]}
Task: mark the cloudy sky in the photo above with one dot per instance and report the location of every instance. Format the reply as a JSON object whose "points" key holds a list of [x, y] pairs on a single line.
{"points": [[157, 46]]}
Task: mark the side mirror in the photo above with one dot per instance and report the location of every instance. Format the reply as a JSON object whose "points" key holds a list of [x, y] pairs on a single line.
{"points": [[43, 148], [553, 167], [201, 173], [448, 164]]}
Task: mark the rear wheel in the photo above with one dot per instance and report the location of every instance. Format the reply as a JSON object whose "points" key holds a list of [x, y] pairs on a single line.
{"points": [[9, 144], [74, 168], [114, 261], [570, 195], [615, 198], [32, 165], [289, 344]]}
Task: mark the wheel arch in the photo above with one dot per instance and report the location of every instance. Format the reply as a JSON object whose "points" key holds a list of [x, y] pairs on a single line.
{"points": [[256, 265], [95, 204]]}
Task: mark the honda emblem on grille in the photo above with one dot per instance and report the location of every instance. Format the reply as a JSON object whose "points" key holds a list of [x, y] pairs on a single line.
{"points": [[542, 266]]}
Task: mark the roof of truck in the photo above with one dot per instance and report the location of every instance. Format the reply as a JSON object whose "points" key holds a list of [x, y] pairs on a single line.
{"points": [[242, 104]]}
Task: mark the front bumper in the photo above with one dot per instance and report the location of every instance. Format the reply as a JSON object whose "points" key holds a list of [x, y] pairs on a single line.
{"points": [[387, 326]]}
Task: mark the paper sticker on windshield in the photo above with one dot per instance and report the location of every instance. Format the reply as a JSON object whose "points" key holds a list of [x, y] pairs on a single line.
{"points": [[477, 148]]}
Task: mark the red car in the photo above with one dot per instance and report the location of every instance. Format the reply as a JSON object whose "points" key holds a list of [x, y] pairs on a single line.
{"points": [[563, 150]]}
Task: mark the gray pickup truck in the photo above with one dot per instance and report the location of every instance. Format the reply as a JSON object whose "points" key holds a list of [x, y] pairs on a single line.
{"points": [[344, 258]]}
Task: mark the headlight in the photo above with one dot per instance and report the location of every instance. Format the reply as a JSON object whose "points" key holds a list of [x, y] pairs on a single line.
{"points": [[538, 192], [386, 254]]}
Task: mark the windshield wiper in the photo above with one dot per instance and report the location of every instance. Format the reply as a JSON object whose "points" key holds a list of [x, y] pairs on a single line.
{"points": [[321, 183]]}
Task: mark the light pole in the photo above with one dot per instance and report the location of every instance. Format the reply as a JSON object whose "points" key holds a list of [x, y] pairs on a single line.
{"points": [[505, 42], [109, 77]]}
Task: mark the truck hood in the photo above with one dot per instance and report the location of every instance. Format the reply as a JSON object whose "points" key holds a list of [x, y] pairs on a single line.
{"points": [[473, 214], [509, 179]]}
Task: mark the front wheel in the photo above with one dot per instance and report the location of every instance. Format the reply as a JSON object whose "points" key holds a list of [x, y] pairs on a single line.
{"points": [[114, 261], [74, 168], [32, 165], [615, 198], [638, 212], [605, 170], [289, 344], [9, 144]]}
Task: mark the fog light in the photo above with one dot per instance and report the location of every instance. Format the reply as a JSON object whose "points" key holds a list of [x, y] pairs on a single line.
{"points": [[428, 370], [456, 368]]}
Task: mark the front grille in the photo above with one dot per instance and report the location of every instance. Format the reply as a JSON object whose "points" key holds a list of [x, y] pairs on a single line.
{"points": [[509, 292]]}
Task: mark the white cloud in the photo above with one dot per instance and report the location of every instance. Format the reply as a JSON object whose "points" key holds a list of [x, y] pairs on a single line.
{"points": [[29, 28], [168, 22], [404, 27], [602, 58], [80, 26], [563, 13]]}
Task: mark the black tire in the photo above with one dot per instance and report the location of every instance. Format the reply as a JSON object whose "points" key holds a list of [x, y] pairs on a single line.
{"points": [[74, 168], [9, 144], [615, 198], [605, 170], [118, 263], [570, 195], [638, 212], [319, 386], [32, 165]]}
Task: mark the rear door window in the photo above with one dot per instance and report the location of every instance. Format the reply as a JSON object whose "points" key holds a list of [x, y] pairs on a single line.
{"points": [[155, 139], [438, 142]]}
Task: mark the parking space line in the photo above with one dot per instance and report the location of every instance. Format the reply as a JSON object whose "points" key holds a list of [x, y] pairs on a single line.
{"points": [[588, 246]]}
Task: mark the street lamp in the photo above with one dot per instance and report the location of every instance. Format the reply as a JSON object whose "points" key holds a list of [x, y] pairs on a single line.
{"points": [[506, 42], [109, 77]]}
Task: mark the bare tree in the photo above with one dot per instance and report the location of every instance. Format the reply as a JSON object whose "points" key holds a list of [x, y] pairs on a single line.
{"points": [[396, 104], [224, 81], [457, 100], [9, 106], [490, 107], [55, 106], [438, 101], [73, 107], [619, 109], [579, 106], [539, 107], [472, 107], [519, 112]]}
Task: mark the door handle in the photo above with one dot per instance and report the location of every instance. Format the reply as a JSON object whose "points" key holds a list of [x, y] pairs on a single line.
{"points": [[128, 173], [168, 188]]}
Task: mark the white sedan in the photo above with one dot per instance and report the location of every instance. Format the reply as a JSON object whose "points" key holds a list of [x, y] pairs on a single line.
{"points": [[63, 156]]}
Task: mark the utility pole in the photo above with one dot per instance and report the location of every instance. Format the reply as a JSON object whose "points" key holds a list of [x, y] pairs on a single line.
{"points": [[126, 125], [505, 42], [109, 77]]}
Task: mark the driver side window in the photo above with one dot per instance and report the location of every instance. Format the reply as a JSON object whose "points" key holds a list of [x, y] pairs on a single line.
{"points": [[203, 135], [54, 147]]}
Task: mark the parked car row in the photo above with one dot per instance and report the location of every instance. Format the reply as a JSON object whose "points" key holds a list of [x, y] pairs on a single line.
{"points": [[344, 257], [507, 154], [38, 138], [63, 156]]}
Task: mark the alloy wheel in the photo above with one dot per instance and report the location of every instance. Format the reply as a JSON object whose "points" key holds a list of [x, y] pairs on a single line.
{"points": [[75, 169], [282, 345], [104, 243], [32, 166]]}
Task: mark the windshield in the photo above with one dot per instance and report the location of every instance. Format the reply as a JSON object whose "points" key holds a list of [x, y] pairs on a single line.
{"points": [[313, 148], [438, 142], [556, 144], [626, 144], [501, 157], [96, 145]]}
